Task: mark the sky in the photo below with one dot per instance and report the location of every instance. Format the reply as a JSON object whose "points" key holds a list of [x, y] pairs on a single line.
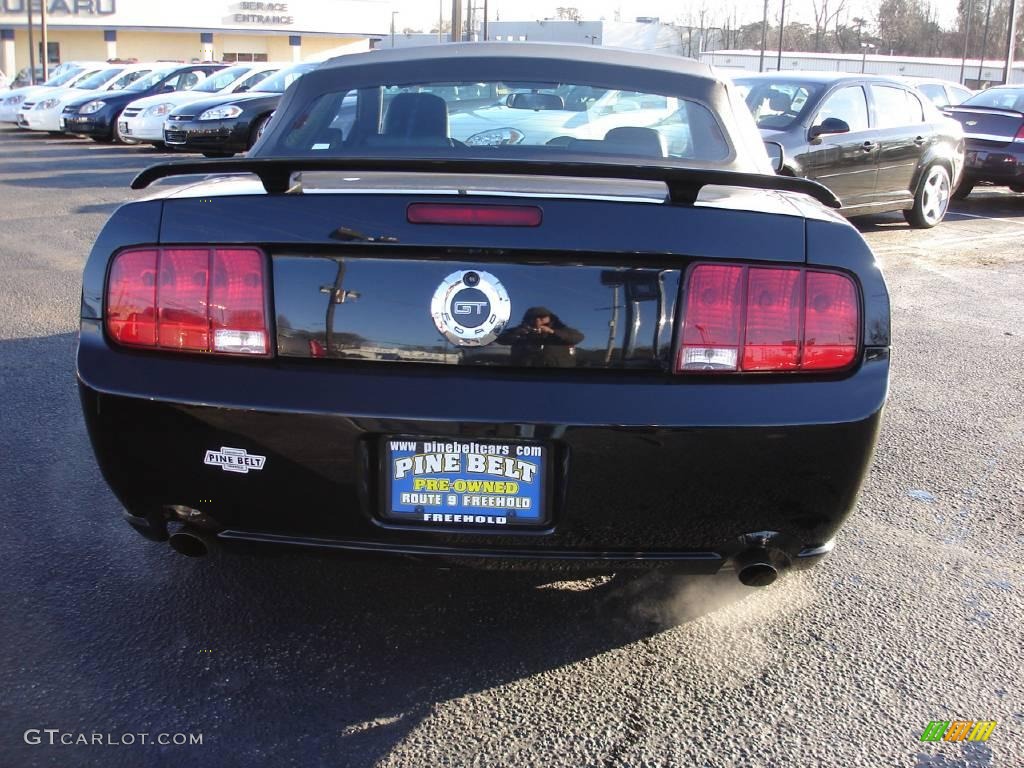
{"points": [[422, 14]]}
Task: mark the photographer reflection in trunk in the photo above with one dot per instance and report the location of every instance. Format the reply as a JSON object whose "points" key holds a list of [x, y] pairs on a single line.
{"points": [[541, 340]]}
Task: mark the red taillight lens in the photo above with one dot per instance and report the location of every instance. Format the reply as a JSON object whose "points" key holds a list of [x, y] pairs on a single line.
{"points": [[767, 319], [711, 333], [479, 215], [1020, 134], [189, 300], [832, 319], [131, 298]]}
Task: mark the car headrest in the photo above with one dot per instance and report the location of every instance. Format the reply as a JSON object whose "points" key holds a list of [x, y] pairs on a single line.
{"points": [[536, 101], [633, 140], [416, 115], [778, 101]]}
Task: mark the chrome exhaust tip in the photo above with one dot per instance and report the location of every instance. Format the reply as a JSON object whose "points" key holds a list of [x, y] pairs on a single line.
{"points": [[756, 568], [190, 544]]}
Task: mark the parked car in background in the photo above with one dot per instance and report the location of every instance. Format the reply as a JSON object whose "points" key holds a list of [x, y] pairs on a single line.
{"points": [[941, 93], [10, 103], [143, 119], [23, 79], [43, 111], [570, 113], [97, 117], [993, 122], [874, 141], [588, 356], [223, 125]]}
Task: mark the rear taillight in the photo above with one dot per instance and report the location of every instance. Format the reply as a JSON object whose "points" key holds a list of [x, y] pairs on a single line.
{"points": [[739, 318], [1020, 134], [479, 215], [189, 300]]}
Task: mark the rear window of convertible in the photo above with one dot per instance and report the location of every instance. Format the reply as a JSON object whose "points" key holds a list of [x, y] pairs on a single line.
{"points": [[507, 119]]}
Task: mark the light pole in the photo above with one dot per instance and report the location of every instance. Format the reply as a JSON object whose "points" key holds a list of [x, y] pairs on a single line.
{"points": [[864, 56], [591, 38], [1011, 41], [393, 14], [764, 37], [984, 40], [782, 28]]}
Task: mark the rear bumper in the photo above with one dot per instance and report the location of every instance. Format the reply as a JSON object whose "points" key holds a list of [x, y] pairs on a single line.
{"points": [[995, 165], [648, 473]]}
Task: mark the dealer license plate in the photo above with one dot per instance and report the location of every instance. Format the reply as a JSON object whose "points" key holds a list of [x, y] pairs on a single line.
{"points": [[465, 482]]}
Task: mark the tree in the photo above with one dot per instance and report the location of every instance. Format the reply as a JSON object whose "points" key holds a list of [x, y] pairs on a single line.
{"points": [[825, 12]]}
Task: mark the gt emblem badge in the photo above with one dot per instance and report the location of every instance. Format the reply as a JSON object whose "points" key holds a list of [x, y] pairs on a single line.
{"points": [[470, 308]]}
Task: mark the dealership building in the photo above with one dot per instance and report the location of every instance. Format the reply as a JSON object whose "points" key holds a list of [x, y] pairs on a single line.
{"points": [[186, 30]]}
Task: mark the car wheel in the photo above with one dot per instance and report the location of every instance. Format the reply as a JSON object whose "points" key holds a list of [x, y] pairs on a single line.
{"points": [[257, 130], [965, 188], [931, 200]]}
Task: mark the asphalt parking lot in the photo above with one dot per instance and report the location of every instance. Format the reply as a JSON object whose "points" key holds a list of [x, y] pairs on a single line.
{"points": [[917, 616]]}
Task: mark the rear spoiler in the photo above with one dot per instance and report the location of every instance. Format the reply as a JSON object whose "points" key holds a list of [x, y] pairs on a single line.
{"points": [[684, 184], [985, 110]]}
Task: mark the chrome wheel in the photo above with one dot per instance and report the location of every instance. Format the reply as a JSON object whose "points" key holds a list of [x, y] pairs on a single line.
{"points": [[935, 195]]}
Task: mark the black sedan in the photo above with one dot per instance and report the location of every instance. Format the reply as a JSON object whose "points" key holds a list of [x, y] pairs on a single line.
{"points": [[96, 116], [993, 122], [874, 141], [224, 125], [587, 354]]}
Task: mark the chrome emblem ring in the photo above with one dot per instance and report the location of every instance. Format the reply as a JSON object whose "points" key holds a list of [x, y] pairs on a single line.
{"points": [[470, 308]]}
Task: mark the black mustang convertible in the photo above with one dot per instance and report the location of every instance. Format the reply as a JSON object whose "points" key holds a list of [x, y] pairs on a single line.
{"points": [[576, 323]]}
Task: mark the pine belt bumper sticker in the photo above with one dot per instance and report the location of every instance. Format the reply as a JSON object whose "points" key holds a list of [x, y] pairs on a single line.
{"points": [[452, 483], [235, 460]]}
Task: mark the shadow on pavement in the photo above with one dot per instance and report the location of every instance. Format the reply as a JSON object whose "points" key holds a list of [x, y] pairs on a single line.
{"points": [[275, 660]]}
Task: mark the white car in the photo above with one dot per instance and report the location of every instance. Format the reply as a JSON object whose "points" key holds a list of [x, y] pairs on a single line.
{"points": [[42, 112], [11, 102], [574, 113], [142, 121]]}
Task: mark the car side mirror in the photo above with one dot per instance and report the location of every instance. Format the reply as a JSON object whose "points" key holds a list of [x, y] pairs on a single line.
{"points": [[242, 89], [776, 154], [167, 89], [828, 126]]}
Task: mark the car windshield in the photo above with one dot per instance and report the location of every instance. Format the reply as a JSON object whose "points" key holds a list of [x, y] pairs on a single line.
{"points": [[153, 78], [127, 79], [506, 118], [998, 98], [63, 77], [778, 104], [279, 83], [98, 79], [220, 80]]}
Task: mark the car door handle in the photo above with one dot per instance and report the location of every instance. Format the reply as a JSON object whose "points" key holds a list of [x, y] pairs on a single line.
{"points": [[919, 140], [867, 146]]}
